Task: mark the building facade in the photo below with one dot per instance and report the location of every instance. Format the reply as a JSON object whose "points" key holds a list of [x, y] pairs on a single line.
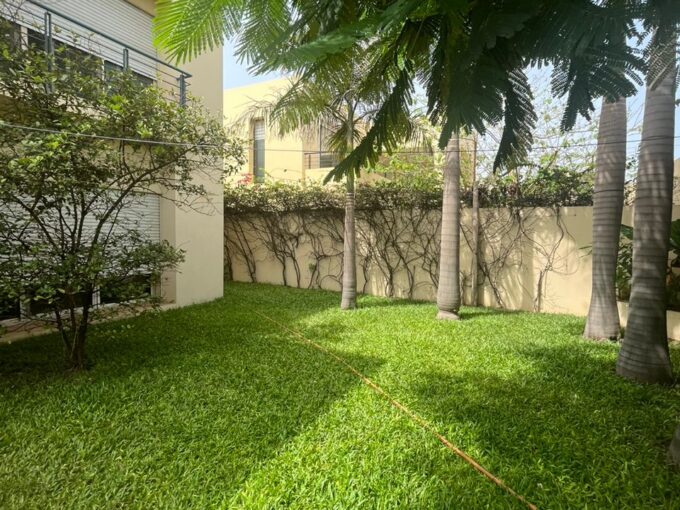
{"points": [[120, 34], [296, 157]]}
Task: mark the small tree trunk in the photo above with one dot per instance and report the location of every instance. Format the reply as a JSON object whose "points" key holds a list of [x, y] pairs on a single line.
{"points": [[77, 360], [644, 353], [603, 315], [448, 292], [349, 268], [674, 451]]}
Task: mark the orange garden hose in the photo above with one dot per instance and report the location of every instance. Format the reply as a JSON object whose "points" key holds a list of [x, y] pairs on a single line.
{"points": [[405, 410]]}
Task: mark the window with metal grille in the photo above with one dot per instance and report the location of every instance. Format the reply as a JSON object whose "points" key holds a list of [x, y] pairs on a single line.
{"points": [[258, 150], [110, 68], [327, 159]]}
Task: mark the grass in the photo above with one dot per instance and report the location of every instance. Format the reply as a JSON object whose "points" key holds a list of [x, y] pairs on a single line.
{"points": [[212, 406]]}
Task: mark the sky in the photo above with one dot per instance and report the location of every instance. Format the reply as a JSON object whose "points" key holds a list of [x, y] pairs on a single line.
{"points": [[236, 74]]}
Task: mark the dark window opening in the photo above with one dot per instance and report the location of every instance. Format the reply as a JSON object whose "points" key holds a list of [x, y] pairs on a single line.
{"points": [[9, 308], [36, 40], [11, 33], [131, 288], [44, 306], [327, 159]]}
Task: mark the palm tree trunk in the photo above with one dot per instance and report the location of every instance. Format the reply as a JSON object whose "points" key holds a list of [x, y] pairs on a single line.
{"points": [[349, 267], [448, 292], [474, 269], [674, 451], [603, 316], [348, 299], [644, 354]]}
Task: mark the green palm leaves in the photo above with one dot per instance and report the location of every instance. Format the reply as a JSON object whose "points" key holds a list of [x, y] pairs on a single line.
{"points": [[469, 56]]}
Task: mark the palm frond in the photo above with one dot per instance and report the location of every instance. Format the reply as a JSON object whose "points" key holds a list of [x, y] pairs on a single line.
{"points": [[388, 130], [184, 29], [519, 120]]}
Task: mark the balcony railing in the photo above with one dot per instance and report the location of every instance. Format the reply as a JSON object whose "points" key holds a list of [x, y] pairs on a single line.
{"points": [[317, 159], [47, 27]]}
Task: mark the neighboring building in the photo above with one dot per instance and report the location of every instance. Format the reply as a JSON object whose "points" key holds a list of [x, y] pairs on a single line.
{"points": [[298, 156], [119, 32], [301, 156]]}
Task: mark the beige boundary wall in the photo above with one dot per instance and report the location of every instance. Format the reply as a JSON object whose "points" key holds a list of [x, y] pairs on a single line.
{"points": [[533, 259]]}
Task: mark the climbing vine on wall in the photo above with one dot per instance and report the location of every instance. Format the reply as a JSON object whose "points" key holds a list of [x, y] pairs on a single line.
{"points": [[397, 231]]}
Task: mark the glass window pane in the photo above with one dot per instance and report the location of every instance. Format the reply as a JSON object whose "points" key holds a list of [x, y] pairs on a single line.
{"points": [[258, 150]]}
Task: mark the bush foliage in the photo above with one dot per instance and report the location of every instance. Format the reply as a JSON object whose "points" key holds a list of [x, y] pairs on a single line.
{"points": [[75, 159], [557, 187]]}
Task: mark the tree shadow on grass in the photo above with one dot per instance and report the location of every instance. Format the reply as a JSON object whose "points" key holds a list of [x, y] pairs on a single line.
{"points": [[566, 433], [178, 411]]}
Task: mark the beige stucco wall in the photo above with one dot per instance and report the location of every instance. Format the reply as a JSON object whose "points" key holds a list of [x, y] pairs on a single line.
{"points": [[197, 229], [548, 267], [147, 6]]}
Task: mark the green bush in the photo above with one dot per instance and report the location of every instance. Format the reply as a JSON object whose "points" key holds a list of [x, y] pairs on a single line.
{"points": [[624, 266], [547, 188]]}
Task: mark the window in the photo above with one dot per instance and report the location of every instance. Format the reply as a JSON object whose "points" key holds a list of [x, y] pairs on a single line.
{"points": [[111, 67], [9, 308], [44, 307], [75, 60], [11, 33], [326, 158], [258, 150], [36, 40], [133, 287], [67, 56], [11, 37], [129, 289]]}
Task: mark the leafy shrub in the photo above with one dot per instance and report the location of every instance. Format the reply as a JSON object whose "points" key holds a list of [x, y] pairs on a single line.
{"points": [[547, 188], [624, 266]]}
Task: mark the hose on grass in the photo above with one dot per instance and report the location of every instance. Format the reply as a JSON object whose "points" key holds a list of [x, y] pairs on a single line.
{"points": [[417, 419]]}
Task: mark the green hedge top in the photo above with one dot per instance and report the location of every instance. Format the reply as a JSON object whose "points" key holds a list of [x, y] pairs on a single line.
{"points": [[547, 188]]}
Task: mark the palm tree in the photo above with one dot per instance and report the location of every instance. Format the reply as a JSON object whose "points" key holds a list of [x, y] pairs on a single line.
{"points": [[348, 299], [330, 106], [605, 67], [331, 100], [644, 353], [448, 290], [603, 315]]}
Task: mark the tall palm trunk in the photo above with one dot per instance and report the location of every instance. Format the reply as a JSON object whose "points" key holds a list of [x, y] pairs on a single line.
{"points": [[474, 265], [348, 300], [674, 452], [349, 266], [603, 316], [644, 353], [448, 291]]}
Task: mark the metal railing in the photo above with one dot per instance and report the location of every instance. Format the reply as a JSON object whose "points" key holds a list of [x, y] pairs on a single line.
{"points": [[318, 159], [39, 21]]}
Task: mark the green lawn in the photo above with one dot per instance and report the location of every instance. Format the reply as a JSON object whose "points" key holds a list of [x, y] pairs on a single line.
{"points": [[214, 407]]}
